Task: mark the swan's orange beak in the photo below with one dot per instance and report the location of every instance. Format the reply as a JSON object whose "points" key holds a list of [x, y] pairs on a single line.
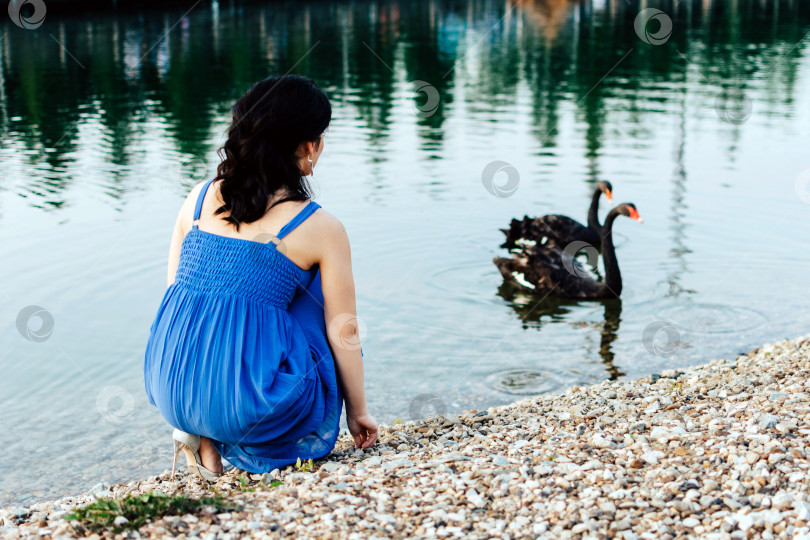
{"points": [[609, 195], [635, 215]]}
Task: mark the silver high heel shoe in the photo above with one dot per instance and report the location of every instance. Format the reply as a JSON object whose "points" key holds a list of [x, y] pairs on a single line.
{"points": [[190, 445]]}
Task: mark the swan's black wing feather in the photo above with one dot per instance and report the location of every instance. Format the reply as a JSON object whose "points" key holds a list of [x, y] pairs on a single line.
{"points": [[549, 271], [519, 229], [562, 230], [553, 230]]}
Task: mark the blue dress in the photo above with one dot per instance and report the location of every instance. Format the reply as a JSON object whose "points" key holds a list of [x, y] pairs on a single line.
{"points": [[238, 351]]}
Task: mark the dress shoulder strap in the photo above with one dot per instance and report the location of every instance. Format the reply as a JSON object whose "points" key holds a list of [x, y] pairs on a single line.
{"points": [[298, 219], [198, 207]]}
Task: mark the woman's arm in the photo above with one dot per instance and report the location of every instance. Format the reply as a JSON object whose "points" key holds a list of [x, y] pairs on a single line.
{"points": [[340, 314], [181, 226]]}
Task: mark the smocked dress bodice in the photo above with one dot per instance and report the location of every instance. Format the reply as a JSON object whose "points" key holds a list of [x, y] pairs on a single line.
{"points": [[221, 265]]}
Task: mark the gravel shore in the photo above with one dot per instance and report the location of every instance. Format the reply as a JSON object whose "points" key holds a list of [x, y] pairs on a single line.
{"points": [[717, 451]]}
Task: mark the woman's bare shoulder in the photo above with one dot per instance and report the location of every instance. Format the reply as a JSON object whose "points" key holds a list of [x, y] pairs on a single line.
{"points": [[327, 226], [326, 221]]}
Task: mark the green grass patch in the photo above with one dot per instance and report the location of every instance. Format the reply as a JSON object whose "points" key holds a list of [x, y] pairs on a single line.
{"points": [[138, 509]]}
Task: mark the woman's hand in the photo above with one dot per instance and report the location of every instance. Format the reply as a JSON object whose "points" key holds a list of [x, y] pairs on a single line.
{"points": [[363, 428]]}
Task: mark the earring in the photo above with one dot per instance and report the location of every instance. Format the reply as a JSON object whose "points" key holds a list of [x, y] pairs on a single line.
{"points": [[311, 165]]}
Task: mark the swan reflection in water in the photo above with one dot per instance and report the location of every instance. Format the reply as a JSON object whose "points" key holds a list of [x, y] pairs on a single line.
{"points": [[534, 312]]}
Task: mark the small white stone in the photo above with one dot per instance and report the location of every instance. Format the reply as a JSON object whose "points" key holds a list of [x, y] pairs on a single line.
{"points": [[766, 421], [802, 510], [744, 521], [474, 498], [397, 463], [607, 507], [652, 408], [781, 501], [771, 516], [652, 457], [330, 466], [775, 458], [622, 524], [598, 441]]}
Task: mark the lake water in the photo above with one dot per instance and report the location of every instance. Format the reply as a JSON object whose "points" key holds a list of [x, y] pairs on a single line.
{"points": [[108, 118]]}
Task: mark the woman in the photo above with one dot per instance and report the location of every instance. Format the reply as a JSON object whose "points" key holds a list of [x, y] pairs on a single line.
{"points": [[255, 344]]}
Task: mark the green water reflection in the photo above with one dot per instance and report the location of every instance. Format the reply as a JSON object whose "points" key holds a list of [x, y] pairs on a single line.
{"points": [[123, 70]]}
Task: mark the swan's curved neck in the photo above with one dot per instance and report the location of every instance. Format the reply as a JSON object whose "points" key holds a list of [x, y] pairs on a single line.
{"points": [[593, 213], [613, 277]]}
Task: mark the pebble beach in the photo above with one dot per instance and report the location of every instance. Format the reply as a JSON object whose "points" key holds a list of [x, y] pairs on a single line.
{"points": [[716, 451]]}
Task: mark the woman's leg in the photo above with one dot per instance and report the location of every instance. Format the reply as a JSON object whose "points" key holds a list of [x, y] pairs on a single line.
{"points": [[209, 456]]}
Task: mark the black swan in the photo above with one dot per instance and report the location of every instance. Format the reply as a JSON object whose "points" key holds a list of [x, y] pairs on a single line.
{"points": [[557, 230], [549, 270]]}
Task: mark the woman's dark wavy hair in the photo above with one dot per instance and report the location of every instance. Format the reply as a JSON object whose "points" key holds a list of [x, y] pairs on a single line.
{"points": [[259, 157]]}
